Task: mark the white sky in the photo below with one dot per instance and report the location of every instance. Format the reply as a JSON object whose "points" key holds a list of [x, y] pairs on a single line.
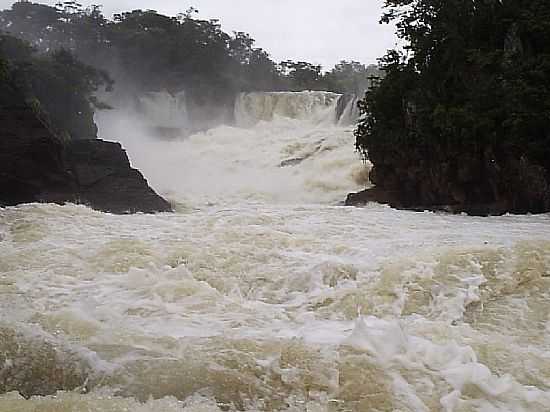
{"points": [[319, 31]]}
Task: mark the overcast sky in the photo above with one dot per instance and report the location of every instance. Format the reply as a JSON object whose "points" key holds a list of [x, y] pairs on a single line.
{"points": [[319, 31]]}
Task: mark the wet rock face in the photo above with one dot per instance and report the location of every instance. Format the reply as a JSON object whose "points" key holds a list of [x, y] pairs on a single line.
{"points": [[31, 161], [107, 182], [36, 166], [343, 102], [487, 183]]}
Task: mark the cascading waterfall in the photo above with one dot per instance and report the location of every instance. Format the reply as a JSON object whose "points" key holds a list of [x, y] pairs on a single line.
{"points": [[164, 113], [350, 113], [318, 107], [259, 293], [163, 109], [251, 108], [284, 147]]}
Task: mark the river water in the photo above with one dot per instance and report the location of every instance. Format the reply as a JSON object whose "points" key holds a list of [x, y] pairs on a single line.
{"points": [[262, 293]]}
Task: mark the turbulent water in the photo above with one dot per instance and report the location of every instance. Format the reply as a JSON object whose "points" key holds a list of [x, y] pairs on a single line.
{"points": [[262, 293], [161, 109]]}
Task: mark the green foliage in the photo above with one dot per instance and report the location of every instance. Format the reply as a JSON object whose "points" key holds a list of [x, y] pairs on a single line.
{"points": [[302, 75], [55, 84], [475, 75], [352, 77]]}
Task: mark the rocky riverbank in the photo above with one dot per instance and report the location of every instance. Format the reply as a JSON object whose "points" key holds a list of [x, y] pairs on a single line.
{"points": [[37, 166], [486, 183]]}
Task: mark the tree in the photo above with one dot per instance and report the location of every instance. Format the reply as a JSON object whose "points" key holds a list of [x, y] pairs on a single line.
{"points": [[472, 82], [472, 73], [302, 75], [352, 77], [58, 84]]}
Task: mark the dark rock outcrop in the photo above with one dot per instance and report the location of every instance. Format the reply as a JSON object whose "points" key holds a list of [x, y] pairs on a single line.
{"points": [[106, 181], [32, 168], [487, 183], [36, 166], [292, 162]]}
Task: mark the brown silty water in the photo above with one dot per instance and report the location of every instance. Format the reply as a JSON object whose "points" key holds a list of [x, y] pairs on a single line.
{"points": [[261, 294]]}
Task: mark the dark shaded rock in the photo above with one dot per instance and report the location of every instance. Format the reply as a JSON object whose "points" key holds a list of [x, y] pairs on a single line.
{"points": [[481, 184], [374, 194], [292, 162], [295, 161], [342, 103], [31, 160], [36, 166], [107, 182]]}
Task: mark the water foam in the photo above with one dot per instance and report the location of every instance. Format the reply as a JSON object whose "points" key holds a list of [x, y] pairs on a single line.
{"points": [[317, 107], [256, 307], [286, 147], [260, 294]]}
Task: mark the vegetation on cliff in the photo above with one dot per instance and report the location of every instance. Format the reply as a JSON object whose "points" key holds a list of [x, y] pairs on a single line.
{"points": [[463, 115], [56, 85], [37, 166]]}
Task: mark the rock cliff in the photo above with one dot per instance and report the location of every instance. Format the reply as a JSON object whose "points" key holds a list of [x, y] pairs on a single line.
{"points": [[106, 181], [36, 166], [484, 183]]}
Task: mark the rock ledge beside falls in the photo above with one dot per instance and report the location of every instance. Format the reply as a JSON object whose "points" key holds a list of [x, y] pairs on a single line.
{"points": [[107, 182], [37, 166], [489, 184]]}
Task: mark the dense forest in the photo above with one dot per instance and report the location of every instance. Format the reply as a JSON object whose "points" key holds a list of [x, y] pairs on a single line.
{"points": [[463, 116], [72, 51], [59, 87]]}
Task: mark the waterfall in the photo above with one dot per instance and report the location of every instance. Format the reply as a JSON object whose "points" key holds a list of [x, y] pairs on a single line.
{"points": [[165, 114], [313, 106], [282, 146]]}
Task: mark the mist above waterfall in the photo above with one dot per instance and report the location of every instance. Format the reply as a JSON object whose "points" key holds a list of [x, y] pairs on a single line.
{"points": [[163, 109]]}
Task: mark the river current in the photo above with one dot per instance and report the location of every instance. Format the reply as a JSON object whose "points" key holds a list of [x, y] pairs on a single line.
{"points": [[263, 293]]}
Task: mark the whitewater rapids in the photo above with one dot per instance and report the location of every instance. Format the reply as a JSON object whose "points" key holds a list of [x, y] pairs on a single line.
{"points": [[261, 293]]}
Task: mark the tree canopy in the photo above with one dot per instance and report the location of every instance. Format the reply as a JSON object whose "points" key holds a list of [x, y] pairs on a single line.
{"points": [[56, 84], [473, 75], [147, 51]]}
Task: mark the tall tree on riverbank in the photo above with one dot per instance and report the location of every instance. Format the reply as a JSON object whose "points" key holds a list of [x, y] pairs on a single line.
{"points": [[472, 72], [473, 82]]}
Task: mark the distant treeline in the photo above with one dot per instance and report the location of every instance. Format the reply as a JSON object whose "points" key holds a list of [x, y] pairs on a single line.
{"points": [[145, 51]]}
